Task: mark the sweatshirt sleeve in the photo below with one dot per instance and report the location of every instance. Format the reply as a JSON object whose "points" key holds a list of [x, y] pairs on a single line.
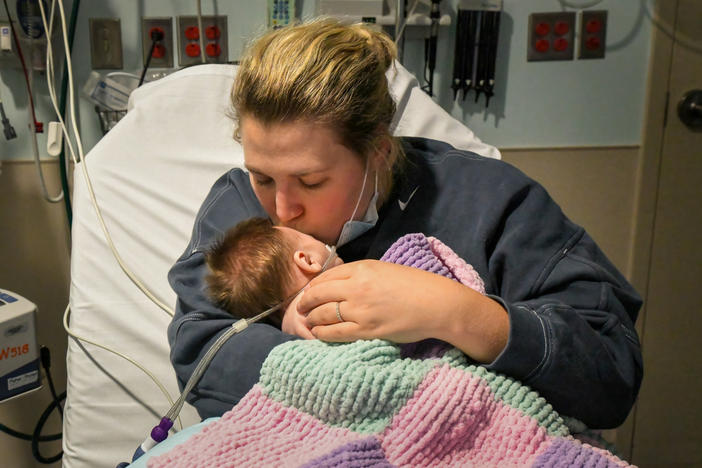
{"points": [[572, 313], [198, 323]]}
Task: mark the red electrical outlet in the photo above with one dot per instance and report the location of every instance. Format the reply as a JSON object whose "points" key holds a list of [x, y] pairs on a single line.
{"points": [[214, 35], [162, 55], [593, 34], [551, 36], [213, 49]]}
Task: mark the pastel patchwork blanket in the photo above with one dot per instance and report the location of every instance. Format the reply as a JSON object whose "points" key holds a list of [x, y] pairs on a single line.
{"points": [[377, 404]]}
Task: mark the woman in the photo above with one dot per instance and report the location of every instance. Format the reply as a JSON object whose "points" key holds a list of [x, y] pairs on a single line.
{"points": [[313, 119]]}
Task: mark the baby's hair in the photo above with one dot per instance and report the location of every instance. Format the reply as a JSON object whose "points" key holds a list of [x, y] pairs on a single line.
{"points": [[250, 268]]}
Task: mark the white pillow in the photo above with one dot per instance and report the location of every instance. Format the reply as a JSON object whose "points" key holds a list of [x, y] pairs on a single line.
{"points": [[418, 115]]}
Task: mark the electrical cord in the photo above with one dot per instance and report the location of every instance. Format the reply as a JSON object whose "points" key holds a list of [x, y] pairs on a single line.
{"points": [[201, 33], [36, 436], [38, 126], [81, 154], [156, 36], [91, 192], [45, 355], [153, 378], [34, 126], [7, 128], [404, 23], [63, 161], [37, 159]]}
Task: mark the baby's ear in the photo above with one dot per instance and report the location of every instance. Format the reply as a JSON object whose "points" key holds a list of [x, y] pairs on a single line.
{"points": [[306, 263]]}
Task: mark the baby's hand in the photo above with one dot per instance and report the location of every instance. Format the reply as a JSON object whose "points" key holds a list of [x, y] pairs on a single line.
{"points": [[294, 324]]}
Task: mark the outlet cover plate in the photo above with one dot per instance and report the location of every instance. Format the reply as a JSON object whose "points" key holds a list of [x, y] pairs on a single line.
{"points": [[551, 36], [167, 25], [106, 43], [593, 34], [184, 22]]}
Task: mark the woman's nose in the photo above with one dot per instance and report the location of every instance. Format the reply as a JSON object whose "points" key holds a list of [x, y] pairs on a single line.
{"points": [[286, 207]]}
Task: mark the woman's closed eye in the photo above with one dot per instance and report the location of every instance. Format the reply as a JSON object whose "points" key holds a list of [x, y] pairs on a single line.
{"points": [[312, 184], [262, 181]]}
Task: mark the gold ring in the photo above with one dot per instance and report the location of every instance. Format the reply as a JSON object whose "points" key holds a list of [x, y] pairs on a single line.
{"points": [[338, 313]]}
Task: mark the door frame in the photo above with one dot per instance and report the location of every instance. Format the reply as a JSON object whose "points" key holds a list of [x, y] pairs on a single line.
{"points": [[656, 111]]}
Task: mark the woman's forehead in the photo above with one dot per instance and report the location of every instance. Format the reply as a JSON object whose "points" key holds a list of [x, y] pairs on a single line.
{"points": [[298, 147]]}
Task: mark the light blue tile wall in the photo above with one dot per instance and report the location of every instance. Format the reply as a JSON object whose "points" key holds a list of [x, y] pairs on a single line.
{"points": [[537, 104]]}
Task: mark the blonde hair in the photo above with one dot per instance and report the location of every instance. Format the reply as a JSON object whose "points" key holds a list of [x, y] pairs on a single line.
{"points": [[250, 268], [324, 72]]}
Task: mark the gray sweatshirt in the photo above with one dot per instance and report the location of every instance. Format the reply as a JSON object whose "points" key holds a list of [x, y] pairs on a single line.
{"points": [[572, 314]]}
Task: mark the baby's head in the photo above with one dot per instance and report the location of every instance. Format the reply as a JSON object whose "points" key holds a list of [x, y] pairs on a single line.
{"points": [[257, 266]]}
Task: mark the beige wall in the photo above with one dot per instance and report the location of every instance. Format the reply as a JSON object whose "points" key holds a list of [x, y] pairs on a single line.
{"points": [[595, 187], [34, 263]]}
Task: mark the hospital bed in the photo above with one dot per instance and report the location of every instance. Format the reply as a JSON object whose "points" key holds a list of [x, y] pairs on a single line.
{"points": [[150, 174]]}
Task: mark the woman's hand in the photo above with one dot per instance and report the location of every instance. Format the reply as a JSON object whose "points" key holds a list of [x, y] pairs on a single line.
{"points": [[403, 304]]}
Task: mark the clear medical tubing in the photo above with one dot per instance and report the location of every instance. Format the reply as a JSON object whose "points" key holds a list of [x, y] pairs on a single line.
{"points": [[234, 329]]}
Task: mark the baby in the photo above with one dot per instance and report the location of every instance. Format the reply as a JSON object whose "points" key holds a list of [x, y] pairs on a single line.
{"points": [[257, 266]]}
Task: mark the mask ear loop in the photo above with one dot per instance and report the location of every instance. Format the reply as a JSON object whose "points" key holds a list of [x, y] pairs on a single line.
{"points": [[358, 202], [363, 188]]}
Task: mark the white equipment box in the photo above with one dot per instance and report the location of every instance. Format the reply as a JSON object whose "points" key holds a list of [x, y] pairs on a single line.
{"points": [[19, 352]]}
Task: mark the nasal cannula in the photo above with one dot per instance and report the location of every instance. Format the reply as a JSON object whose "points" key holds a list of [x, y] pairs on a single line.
{"points": [[160, 432]]}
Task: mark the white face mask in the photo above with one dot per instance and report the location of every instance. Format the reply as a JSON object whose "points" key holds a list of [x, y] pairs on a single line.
{"points": [[353, 229]]}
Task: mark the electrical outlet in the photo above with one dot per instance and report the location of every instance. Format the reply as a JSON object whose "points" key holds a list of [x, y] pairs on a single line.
{"points": [[593, 34], [105, 43], [5, 38], [551, 36], [214, 39], [162, 56]]}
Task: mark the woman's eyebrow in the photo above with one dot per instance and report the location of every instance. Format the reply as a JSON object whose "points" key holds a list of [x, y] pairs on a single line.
{"points": [[294, 174], [252, 169]]}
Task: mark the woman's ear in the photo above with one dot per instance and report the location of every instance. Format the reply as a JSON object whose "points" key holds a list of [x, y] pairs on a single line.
{"points": [[306, 263], [381, 158]]}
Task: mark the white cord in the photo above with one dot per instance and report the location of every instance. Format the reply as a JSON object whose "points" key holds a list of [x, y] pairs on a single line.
{"points": [[89, 185], [163, 389], [404, 23], [128, 75], [202, 33], [35, 145], [52, 94], [580, 6]]}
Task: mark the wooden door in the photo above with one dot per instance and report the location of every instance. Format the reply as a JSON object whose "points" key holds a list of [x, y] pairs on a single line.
{"points": [[667, 428]]}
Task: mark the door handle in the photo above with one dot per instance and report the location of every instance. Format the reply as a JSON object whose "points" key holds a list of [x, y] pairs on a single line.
{"points": [[690, 109]]}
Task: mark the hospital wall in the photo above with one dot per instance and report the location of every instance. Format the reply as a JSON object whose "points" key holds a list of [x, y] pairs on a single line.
{"points": [[575, 126]]}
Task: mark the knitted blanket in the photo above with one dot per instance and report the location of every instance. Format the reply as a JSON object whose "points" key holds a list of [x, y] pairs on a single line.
{"points": [[364, 404]]}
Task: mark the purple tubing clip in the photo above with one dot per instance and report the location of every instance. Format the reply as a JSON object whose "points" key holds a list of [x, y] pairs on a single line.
{"points": [[160, 432]]}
